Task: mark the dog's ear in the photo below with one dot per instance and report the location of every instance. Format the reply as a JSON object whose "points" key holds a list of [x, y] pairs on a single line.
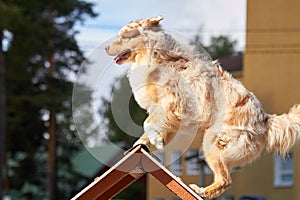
{"points": [[155, 20], [152, 22]]}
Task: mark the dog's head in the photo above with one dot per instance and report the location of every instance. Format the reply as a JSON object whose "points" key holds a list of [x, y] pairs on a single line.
{"points": [[131, 40]]}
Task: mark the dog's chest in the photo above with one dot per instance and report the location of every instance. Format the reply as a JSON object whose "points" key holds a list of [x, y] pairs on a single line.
{"points": [[151, 85], [138, 82]]}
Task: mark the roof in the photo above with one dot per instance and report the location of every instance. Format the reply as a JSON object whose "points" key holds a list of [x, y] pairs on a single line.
{"points": [[86, 164], [232, 63], [137, 162]]}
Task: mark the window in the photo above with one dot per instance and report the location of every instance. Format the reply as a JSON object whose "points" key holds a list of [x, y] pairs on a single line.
{"points": [[227, 197], [160, 157], [192, 165], [175, 198], [284, 171], [176, 163], [207, 170]]}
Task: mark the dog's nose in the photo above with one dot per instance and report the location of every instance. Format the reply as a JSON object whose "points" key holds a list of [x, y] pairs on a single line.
{"points": [[107, 48]]}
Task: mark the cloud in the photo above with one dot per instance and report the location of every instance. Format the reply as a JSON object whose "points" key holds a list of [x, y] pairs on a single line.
{"points": [[217, 17]]}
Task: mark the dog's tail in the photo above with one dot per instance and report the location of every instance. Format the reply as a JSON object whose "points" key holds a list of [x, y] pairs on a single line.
{"points": [[283, 131]]}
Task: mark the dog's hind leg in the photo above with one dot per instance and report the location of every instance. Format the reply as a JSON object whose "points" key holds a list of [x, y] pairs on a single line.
{"points": [[222, 179]]}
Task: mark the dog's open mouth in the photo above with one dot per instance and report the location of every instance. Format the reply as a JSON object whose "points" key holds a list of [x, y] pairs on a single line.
{"points": [[119, 59]]}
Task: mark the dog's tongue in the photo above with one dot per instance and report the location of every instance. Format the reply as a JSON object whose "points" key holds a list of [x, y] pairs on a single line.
{"points": [[119, 59]]}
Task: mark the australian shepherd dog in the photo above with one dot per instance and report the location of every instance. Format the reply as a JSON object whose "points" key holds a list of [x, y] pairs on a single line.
{"points": [[179, 89]]}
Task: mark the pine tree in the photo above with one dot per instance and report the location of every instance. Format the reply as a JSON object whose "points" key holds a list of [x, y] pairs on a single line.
{"points": [[137, 114], [41, 55], [2, 116]]}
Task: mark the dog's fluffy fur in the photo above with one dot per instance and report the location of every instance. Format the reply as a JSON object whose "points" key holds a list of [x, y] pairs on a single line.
{"points": [[178, 89]]}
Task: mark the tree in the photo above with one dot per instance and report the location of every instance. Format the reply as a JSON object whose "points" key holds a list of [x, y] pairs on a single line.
{"points": [[41, 54], [4, 24], [137, 114], [2, 115], [221, 46]]}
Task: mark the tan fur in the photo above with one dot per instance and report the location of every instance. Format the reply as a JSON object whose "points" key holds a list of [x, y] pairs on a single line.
{"points": [[180, 90]]}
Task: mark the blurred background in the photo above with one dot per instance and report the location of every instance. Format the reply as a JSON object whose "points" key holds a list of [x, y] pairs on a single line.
{"points": [[43, 44]]}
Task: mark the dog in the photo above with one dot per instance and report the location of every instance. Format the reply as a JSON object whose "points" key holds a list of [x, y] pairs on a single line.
{"points": [[179, 89]]}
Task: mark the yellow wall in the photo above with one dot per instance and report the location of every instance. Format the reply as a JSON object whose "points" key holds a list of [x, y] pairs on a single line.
{"points": [[271, 64], [272, 73]]}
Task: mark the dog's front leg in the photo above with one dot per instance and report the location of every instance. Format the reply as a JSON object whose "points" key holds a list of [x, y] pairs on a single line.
{"points": [[159, 127], [143, 140], [153, 126]]}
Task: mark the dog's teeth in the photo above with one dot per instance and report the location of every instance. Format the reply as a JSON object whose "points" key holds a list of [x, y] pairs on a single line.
{"points": [[122, 56]]}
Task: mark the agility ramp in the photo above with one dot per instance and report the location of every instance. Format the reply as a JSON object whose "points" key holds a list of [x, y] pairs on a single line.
{"points": [[137, 162]]}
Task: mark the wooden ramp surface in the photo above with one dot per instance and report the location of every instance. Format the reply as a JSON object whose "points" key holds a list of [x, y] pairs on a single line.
{"points": [[130, 168]]}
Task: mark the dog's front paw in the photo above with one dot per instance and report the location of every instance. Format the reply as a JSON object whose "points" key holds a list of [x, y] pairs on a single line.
{"points": [[156, 140], [140, 141], [178, 179], [198, 190]]}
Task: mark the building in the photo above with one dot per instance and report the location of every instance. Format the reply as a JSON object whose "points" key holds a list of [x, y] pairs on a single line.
{"points": [[271, 70]]}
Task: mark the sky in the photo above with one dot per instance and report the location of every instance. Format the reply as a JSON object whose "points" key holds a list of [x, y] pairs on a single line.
{"points": [[190, 17]]}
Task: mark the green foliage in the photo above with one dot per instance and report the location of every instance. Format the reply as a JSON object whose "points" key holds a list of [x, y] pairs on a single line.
{"points": [[42, 33], [219, 46], [137, 114]]}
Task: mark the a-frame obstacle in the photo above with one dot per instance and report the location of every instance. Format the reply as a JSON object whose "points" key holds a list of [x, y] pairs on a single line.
{"points": [[130, 168]]}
